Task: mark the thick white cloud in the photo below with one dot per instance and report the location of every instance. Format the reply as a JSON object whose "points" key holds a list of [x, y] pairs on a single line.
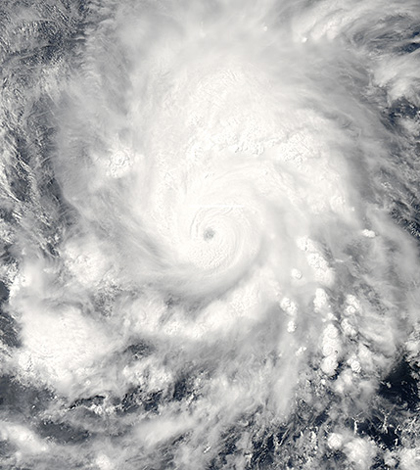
{"points": [[232, 173]]}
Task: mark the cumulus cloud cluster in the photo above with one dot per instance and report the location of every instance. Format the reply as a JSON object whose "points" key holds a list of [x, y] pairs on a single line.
{"points": [[210, 230]]}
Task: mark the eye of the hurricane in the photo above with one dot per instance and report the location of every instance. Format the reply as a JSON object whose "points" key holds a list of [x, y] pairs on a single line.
{"points": [[208, 234]]}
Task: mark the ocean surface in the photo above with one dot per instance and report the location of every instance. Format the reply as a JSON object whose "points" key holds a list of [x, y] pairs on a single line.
{"points": [[210, 233]]}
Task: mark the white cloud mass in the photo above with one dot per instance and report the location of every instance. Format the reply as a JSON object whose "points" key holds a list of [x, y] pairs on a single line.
{"points": [[210, 229]]}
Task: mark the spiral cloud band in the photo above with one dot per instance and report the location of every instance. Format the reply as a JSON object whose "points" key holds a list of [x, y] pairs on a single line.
{"points": [[210, 232]]}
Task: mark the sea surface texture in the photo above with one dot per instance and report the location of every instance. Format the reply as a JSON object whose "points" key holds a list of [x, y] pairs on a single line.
{"points": [[210, 234]]}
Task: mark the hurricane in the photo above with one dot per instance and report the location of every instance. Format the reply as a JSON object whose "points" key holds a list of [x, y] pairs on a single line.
{"points": [[210, 232]]}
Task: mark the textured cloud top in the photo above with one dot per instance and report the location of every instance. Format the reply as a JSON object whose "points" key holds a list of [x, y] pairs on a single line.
{"points": [[210, 235]]}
